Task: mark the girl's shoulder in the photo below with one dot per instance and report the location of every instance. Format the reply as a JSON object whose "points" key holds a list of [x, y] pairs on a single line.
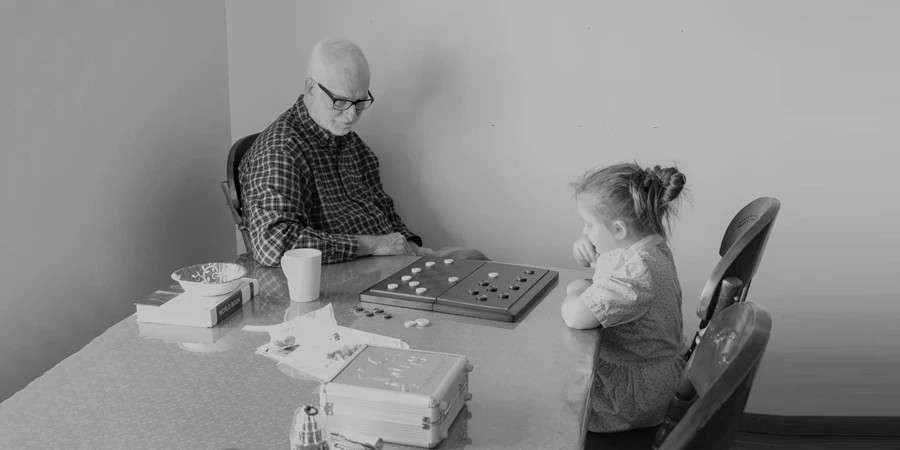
{"points": [[623, 262], [657, 259], [649, 253]]}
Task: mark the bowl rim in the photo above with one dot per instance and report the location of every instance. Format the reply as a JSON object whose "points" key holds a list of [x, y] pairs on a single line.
{"points": [[243, 273]]}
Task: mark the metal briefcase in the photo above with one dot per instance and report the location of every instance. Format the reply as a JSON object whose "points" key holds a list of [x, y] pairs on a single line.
{"points": [[403, 396]]}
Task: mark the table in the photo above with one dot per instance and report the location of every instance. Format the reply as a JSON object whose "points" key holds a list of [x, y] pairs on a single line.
{"points": [[530, 385]]}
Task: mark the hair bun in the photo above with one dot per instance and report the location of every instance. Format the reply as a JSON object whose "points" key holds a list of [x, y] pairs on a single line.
{"points": [[672, 182]]}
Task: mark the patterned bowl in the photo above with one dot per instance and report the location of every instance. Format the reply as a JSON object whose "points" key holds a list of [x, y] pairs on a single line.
{"points": [[210, 279]]}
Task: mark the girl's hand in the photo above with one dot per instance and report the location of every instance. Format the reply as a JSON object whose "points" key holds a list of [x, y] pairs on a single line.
{"points": [[584, 252]]}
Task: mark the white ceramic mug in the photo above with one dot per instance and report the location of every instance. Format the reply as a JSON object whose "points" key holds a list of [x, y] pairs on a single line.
{"points": [[303, 269]]}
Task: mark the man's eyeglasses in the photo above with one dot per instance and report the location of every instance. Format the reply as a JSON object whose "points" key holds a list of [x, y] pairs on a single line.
{"points": [[343, 104]]}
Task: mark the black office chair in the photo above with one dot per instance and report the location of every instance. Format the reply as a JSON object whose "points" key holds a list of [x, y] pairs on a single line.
{"points": [[706, 410], [742, 249], [712, 393], [232, 187]]}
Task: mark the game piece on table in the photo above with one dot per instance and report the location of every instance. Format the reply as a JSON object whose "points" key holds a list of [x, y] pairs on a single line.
{"points": [[529, 271], [481, 298], [493, 275], [387, 315], [416, 270], [483, 283], [393, 286], [409, 323], [473, 291], [421, 291], [378, 310], [448, 261], [369, 314], [429, 264], [413, 283], [359, 308], [423, 322], [453, 279], [503, 295], [514, 287], [406, 278]]}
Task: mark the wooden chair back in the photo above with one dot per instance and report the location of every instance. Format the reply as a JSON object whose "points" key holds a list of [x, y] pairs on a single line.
{"points": [[710, 398], [232, 187]]}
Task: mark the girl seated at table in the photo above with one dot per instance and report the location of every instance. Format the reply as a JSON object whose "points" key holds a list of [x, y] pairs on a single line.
{"points": [[634, 296]]}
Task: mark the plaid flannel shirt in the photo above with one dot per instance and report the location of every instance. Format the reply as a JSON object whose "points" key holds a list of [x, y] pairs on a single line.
{"points": [[303, 187]]}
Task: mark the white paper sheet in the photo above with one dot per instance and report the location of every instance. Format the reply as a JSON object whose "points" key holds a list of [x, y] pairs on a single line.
{"points": [[314, 344]]}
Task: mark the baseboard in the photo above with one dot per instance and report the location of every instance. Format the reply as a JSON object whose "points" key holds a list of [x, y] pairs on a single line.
{"points": [[820, 425]]}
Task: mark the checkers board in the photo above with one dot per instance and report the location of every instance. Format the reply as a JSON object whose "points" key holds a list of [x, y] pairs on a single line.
{"points": [[489, 290]]}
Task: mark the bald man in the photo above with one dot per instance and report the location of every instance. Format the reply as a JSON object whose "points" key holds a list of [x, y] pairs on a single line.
{"points": [[310, 182]]}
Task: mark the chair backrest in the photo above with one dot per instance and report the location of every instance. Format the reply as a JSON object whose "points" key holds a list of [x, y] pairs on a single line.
{"points": [[232, 187], [741, 250], [710, 398]]}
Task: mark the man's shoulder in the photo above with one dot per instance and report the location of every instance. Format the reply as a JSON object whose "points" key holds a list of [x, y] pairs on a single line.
{"points": [[281, 139]]}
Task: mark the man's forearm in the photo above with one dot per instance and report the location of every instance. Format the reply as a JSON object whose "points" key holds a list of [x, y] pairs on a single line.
{"points": [[270, 245], [365, 245]]}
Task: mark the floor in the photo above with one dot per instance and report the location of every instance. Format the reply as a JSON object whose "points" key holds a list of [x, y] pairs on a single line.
{"points": [[748, 441]]}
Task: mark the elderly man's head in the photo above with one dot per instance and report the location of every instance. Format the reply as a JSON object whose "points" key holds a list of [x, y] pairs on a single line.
{"points": [[337, 85]]}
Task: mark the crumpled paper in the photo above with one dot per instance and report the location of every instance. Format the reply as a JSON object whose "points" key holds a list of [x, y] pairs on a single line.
{"points": [[315, 344], [284, 333]]}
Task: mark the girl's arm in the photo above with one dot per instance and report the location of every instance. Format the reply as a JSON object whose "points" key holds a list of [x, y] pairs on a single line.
{"points": [[574, 312]]}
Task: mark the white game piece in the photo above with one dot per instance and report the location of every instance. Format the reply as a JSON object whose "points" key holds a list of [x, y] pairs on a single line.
{"points": [[429, 264], [420, 291], [393, 286], [453, 279], [409, 323], [406, 278], [416, 270], [413, 283], [493, 274], [422, 322], [448, 261]]}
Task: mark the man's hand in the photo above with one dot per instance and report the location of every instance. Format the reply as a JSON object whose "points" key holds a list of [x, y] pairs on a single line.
{"points": [[584, 252], [419, 251], [387, 245]]}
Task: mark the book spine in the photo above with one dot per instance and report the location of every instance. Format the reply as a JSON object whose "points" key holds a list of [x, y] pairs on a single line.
{"points": [[233, 302]]}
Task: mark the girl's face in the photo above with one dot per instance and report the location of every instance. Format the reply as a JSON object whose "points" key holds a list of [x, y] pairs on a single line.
{"points": [[606, 235]]}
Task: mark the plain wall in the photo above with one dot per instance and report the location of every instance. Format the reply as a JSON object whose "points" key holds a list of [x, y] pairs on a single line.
{"points": [[115, 132], [485, 111]]}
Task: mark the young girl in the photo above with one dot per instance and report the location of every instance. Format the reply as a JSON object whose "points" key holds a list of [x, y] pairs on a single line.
{"points": [[635, 295]]}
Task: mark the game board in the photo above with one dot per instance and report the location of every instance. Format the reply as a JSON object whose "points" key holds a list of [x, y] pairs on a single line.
{"points": [[489, 290]]}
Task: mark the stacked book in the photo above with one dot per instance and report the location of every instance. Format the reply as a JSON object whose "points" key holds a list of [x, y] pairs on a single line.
{"points": [[176, 307], [195, 335]]}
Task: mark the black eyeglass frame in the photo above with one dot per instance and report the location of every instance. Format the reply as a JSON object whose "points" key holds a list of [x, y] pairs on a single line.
{"points": [[334, 99]]}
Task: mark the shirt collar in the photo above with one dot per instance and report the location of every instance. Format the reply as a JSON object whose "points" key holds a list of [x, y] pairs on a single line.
{"points": [[653, 239], [321, 135]]}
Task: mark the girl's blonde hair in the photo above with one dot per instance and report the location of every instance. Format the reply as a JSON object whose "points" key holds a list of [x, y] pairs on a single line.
{"points": [[643, 198]]}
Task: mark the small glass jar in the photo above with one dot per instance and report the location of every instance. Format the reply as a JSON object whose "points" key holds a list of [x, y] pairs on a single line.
{"points": [[306, 432]]}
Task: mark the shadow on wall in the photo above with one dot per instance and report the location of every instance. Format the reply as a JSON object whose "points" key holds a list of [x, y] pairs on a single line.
{"points": [[401, 136]]}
